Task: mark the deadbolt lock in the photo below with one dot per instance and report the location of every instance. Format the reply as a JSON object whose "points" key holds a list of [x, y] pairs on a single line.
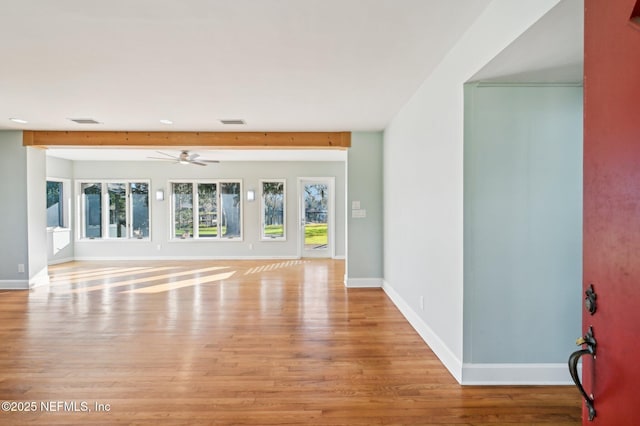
{"points": [[590, 300]]}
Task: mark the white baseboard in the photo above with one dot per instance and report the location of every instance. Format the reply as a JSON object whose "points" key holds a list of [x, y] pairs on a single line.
{"points": [[145, 258], [442, 351], [14, 285], [59, 261], [363, 282], [40, 279], [516, 374], [481, 374]]}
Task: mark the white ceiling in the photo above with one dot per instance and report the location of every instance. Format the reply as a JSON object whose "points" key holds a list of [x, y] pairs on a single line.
{"points": [[281, 65], [551, 51], [278, 64]]}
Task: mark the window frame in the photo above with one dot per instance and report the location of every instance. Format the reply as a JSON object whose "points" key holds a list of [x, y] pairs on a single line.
{"points": [[263, 237], [195, 235], [172, 213], [66, 203], [105, 208]]}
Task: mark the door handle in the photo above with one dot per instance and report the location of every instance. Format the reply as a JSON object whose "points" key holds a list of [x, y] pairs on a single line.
{"points": [[591, 343]]}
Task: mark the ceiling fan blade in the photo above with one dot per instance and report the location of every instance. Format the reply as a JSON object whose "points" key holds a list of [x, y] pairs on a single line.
{"points": [[168, 155], [209, 161], [163, 159], [193, 156], [197, 163]]}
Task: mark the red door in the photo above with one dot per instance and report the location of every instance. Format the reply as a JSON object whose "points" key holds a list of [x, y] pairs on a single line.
{"points": [[612, 208]]}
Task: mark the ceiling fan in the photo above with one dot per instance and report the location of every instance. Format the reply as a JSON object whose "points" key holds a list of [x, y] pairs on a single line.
{"points": [[184, 158]]}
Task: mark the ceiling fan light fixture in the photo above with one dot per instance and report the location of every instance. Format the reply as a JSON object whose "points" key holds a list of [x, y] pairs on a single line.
{"points": [[165, 121], [18, 120], [185, 157]]}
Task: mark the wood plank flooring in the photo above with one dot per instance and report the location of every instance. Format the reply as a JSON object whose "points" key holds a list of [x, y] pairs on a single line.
{"points": [[234, 343]]}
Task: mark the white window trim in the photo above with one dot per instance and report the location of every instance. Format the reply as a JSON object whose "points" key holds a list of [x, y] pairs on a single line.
{"points": [[195, 238], [284, 210], [80, 219]]}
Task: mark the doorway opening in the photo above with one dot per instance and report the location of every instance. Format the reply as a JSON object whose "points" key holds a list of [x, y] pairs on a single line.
{"points": [[316, 201]]}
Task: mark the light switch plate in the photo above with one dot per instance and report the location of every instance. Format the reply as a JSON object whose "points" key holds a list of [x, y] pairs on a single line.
{"points": [[359, 214]]}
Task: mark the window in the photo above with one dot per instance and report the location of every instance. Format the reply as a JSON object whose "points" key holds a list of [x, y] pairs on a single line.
{"points": [[217, 213], [208, 210], [230, 195], [140, 209], [273, 209], [120, 207], [117, 210], [182, 210], [55, 203], [92, 210]]}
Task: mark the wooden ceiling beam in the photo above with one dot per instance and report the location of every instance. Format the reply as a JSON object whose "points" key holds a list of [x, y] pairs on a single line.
{"points": [[222, 140]]}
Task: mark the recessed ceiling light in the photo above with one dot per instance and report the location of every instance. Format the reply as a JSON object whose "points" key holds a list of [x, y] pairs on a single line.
{"points": [[19, 120], [166, 121]]}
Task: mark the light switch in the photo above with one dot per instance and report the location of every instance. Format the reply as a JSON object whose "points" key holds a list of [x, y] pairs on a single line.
{"points": [[355, 205]]}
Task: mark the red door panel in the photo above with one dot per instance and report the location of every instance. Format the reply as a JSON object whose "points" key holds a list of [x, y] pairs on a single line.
{"points": [[612, 208]]}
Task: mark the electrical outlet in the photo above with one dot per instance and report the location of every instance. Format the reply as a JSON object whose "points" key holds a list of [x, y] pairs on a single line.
{"points": [[21, 268], [250, 246], [422, 302]]}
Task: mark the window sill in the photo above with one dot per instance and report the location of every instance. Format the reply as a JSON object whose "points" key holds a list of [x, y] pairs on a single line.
{"points": [[57, 229]]}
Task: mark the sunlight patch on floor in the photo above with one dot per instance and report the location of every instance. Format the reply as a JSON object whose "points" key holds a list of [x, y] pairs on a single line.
{"points": [[94, 274], [145, 279], [274, 266], [160, 288], [153, 279], [114, 273]]}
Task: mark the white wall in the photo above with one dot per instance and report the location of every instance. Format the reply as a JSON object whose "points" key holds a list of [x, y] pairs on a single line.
{"points": [[250, 173], [37, 216], [423, 183]]}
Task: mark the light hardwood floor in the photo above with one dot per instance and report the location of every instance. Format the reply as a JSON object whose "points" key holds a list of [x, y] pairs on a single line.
{"points": [[235, 342]]}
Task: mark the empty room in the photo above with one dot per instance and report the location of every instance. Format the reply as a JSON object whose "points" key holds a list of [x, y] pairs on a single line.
{"points": [[287, 212]]}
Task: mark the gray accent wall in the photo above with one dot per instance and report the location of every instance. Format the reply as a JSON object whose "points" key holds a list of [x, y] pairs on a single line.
{"points": [[14, 249], [23, 256], [522, 222], [364, 234]]}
